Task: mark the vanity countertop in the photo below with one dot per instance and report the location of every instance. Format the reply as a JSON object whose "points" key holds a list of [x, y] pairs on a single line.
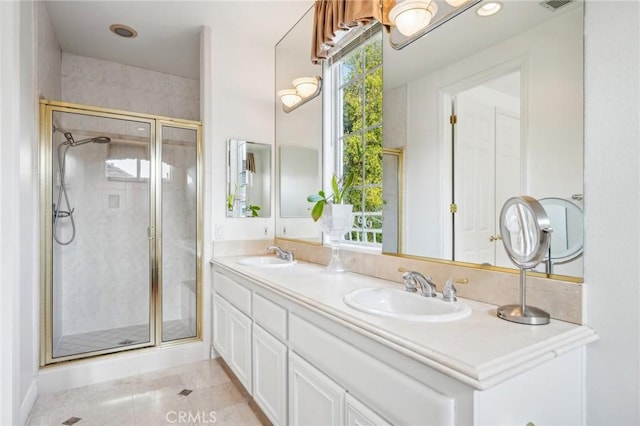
{"points": [[480, 350]]}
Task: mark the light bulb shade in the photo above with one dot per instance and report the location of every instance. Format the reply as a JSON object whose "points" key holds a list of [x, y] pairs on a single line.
{"points": [[456, 3], [410, 16], [289, 97], [306, 86], [489, 9]]}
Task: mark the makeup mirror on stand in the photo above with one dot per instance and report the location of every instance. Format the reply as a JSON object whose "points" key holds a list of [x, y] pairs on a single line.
{"points": [[526, 234]]}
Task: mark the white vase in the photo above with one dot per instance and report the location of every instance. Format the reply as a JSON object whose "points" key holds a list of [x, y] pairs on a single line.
{"points": [[336, 220]]}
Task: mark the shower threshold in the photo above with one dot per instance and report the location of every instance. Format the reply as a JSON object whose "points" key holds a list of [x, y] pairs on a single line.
{"points": [[99, 340]]}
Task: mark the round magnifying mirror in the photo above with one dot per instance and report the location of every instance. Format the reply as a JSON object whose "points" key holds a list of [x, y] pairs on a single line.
{"points": [[525, 230], [526, 233], [567, 221]]}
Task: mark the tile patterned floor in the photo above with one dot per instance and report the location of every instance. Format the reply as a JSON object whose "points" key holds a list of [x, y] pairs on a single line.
{"points": [[152, 399], [116, 337]]}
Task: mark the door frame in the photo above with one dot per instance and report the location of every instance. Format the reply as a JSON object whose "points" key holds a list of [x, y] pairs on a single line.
{"points": [[446, 132], [47, 108]]}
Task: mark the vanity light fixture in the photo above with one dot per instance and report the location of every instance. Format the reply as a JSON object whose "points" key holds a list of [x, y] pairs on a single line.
{"points": [[410, 16], [289, 97], [489, 9], [306, 88], [456, 3]]}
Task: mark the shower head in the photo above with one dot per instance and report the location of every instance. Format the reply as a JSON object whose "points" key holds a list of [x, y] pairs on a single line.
{"points": [[70, 141], [99, 139]]}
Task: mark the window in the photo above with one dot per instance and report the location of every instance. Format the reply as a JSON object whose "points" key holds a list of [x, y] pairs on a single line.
{"points": [[129, 161], [358, 129]]}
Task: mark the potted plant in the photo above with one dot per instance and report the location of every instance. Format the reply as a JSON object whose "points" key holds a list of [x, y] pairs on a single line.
{"points": [[339, 187], [335, 217]]}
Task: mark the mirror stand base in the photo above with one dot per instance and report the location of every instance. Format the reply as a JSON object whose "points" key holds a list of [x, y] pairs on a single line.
{"points": [[529, 315]]}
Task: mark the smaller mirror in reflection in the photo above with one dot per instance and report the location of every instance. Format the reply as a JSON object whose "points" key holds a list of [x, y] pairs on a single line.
{"points": [[248, 179]]}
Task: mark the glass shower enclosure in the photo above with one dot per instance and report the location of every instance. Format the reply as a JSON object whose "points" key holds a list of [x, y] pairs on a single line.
{"points": [[121, 208]]}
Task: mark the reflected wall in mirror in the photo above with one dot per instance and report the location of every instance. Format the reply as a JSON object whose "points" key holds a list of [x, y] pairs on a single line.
{"points": [[299, 177], [297, 132], [248, 179], [485, 108]]}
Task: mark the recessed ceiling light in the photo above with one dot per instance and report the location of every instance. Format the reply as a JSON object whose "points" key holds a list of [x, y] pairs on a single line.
{"points": [[123, 31], [489, 9]]}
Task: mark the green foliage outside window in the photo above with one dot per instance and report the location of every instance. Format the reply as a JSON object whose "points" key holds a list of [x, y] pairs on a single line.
{"points": [[361, 136]]}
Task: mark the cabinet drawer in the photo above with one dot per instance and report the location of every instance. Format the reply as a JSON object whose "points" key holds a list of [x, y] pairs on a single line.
{"points": [[270, 316], [233, 292], [396, 396]]}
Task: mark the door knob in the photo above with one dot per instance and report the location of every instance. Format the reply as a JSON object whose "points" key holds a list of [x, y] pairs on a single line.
{"points": [[495, 238]]}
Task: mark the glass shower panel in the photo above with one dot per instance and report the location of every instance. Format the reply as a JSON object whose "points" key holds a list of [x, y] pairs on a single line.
{"points": [[101, 271], [179, 229]]}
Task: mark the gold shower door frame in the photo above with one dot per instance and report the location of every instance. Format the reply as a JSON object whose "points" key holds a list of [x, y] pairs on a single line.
{"points": [[156, 123]]}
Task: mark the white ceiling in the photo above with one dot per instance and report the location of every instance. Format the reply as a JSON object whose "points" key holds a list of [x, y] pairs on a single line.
{"points": [[168, 31]]}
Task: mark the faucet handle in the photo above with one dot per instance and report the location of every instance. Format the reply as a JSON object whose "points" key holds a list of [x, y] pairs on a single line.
{"points": [[410, 283], [449, 291]]}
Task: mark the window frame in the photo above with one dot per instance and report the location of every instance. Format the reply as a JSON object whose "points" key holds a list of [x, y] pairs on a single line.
{"points": [[333, 76]]}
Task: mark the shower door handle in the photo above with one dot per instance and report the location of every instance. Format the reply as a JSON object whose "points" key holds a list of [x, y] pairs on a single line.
{"points": [[151, 233]]}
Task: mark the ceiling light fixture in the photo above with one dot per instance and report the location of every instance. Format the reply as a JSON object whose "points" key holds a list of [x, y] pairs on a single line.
{"points": [[489, 9], [123, 31], [456, 3], [306, 88], [410, 16]]}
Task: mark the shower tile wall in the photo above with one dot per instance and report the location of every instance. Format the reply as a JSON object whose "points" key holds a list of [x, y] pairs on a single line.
{"points": [[105, 269], [92, 81], [94, 274]]}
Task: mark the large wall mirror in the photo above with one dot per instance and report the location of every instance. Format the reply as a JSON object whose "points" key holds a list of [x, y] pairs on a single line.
{"points": [[483, 109], [248, 179], [298, 136], [478, 110]]}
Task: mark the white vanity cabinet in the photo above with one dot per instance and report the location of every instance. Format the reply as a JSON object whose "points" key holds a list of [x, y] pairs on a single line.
{"points": [[232, 327], [358, 414], [305, 365], [314, 399], [249, 332], [270, 358]]}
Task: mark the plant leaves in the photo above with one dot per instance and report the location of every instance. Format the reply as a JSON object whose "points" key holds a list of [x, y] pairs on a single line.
{"points": [[314, 198], [346, 185], [316, 213], [336, 191]]}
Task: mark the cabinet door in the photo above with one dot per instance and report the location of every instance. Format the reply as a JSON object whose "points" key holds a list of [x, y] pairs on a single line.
{"points": [[358, 414], [221, 327], [270, 375], [240, 346], [314, 399]]}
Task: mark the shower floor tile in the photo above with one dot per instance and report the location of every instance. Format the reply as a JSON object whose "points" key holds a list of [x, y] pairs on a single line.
{"points": [[117, 337]]}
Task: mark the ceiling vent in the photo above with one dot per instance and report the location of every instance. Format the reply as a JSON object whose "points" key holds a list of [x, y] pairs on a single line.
{"points": [[554, 5]]}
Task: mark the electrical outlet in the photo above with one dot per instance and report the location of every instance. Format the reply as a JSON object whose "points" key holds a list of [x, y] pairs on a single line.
{"points": [[219, 232]]}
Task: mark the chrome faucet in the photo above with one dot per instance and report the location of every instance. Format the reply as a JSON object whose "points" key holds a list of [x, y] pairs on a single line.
{"points": [[413, 279], [283, 254], [449, 291]]}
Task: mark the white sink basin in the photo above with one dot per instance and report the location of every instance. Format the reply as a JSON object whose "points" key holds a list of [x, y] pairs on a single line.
{"points": [[266, 261], [395, 303]]}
